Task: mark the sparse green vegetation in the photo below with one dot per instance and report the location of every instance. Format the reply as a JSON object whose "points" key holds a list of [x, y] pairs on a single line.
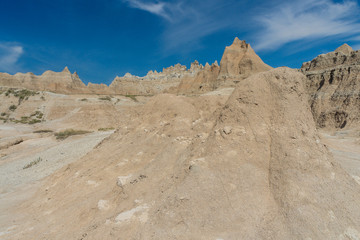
{"points": [[22, 94], [106, 129], [107, 98], [133, 97], [12, 107], [43, 131], [69, 132], [32, 119], [36, 161], [83, 99], [3, 114]]}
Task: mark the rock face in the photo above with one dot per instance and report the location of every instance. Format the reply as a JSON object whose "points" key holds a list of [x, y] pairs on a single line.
{"points": [[153, 82], [240, 61], [253, 169], [334, 86], [60, 82], [202, 80]]}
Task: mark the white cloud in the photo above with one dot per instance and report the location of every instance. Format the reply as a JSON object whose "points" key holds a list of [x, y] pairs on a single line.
{"points": [[162, 9], [9, 55], [304, 20]]}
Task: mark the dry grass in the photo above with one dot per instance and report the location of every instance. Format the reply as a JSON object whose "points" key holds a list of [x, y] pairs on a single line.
{"points": [[36, 161]]}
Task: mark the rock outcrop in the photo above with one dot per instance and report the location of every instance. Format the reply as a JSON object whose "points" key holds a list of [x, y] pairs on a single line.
{"points": [[154, 82], [334, 87], [202, 80], [240, 61], [60, 82]]}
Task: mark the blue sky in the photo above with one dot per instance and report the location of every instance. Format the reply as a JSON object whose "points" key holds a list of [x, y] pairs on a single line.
{"points": [[103, 38]]}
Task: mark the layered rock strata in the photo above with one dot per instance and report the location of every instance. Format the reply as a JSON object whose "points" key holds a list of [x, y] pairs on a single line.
{"points": [[334, 87]]}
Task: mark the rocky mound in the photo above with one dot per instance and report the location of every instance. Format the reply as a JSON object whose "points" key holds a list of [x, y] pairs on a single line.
{"points": [[334, 86], [253, 169]]}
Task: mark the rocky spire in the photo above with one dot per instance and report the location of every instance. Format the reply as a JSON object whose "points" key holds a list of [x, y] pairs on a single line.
{"points": [[66, 70], [345, 49]]}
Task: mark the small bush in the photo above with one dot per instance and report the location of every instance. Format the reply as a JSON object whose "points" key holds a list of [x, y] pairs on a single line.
{"points": [[106, 129], [36, 161], [33, 121], [69, 132], [43, 131], [83, 100], [3, 114], [107, 98], [133, 97], [12, 107]]}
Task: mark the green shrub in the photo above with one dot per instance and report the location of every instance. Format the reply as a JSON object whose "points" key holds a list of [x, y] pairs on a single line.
{"points": [[107, 98], [12, 107], [133, 97], [106, 129], [43, 131], [69, 132], [33, 121], [83, 100]]}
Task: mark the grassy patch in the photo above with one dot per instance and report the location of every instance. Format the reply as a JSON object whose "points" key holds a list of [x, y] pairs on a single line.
{"points": [[106, 129], [107, 98], [133, 97], [43, 131], [36, 161], [69, 132]]}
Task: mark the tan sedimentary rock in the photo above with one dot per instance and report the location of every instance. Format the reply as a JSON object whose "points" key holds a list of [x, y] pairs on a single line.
{"points": [[253, 169], [61, 82], [240, 61], [334, 87]]}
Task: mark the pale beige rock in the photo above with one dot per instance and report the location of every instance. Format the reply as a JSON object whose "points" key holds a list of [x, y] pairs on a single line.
{"points": [[240, 61], [268, 178]]}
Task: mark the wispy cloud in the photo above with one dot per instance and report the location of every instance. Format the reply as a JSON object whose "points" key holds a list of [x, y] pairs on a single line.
{"points": [[9, 56], [188, 21], [163, 9], [267, 25], [306, 20]]}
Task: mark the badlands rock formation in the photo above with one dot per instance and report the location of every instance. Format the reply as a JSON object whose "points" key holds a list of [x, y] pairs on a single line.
{"points": [[334, 86], [238, 62], [61, 82], [252, 169]]}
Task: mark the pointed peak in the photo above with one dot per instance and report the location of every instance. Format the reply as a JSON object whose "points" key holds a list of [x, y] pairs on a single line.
{"points": [[216, 63], [66, 69], [240, 43], [345, 49]]}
